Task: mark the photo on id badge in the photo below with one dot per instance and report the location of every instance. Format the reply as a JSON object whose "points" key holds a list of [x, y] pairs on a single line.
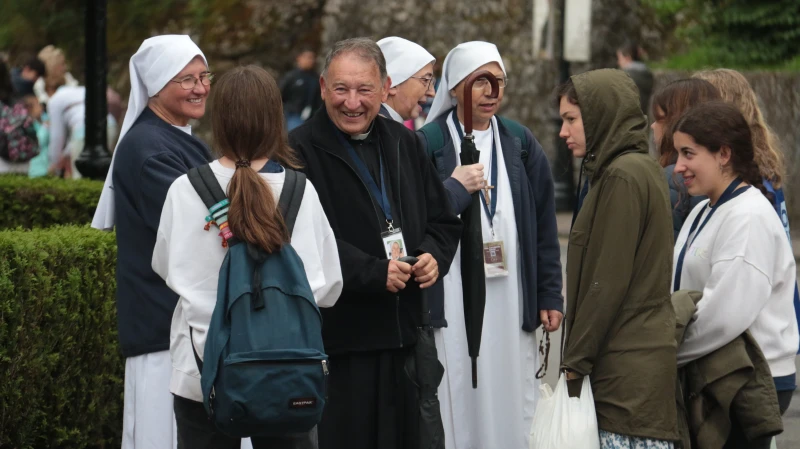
{"points": [[394, 244], [494, 260]]}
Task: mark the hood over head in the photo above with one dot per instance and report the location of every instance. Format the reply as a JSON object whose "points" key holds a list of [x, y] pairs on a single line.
{"points": [[613, 120]]}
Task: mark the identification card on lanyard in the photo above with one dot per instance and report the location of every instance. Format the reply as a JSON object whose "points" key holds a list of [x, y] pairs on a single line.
{"points": [[393, 241], [494, 260], [394, 244], [494, 254]]}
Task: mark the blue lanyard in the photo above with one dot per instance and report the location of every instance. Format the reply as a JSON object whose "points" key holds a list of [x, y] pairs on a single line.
{"points": [[729, 194], [379, 194], [493, 170]]}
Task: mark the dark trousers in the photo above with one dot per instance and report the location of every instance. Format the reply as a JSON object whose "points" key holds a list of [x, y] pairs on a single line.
{"points": [[196, 432], [737, 439], [372, 403]]}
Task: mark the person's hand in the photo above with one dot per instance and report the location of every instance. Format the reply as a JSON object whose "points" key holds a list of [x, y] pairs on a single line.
{"points": [[470, 176], [426, 270], [574, 383], [399, 273], [64, 164], [551, 319]]}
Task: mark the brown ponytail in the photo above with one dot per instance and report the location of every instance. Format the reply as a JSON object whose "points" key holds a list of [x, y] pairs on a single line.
{"points": [[717, 124], [248, 124]]}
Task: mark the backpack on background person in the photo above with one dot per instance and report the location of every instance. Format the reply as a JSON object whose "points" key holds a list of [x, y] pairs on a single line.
{"points": [[18, 140]]}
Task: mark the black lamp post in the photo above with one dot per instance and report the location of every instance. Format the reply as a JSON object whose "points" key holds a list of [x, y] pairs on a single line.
{"points": [[95, 159], [562, 166]]}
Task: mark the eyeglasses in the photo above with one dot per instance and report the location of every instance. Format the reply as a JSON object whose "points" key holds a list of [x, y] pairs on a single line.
{"points": [[481, 83], [189, 82], [426, 81]]}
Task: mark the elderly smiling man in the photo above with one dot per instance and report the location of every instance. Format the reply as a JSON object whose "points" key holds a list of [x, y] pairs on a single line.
{"points": [[376, 186]]}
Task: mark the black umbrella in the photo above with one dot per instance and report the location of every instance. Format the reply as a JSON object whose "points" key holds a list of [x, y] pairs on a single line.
{"points": [[425, 370], [473, 278]]}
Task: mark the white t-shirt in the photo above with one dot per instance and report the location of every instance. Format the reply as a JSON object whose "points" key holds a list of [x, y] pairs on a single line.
{"points": [[744, 265], [189, 259]]}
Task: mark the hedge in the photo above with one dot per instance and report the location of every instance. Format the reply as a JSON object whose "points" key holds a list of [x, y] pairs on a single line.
{"points": [[60, 365], [44, 202]]}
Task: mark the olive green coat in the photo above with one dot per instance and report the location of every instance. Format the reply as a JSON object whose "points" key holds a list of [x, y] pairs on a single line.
{"points": [[734, 379], [620, 322]]}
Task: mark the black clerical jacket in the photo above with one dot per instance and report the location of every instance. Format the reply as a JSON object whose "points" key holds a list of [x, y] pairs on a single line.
{"points": [[367, 316]]}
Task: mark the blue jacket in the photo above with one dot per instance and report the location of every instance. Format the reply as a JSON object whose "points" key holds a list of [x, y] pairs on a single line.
{"points": [[534, 207]]}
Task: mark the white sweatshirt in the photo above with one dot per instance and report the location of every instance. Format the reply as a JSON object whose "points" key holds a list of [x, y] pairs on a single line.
{"points": [[744, 265], [189, 259]]}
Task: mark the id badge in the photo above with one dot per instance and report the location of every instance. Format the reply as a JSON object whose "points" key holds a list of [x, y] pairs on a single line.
{"points": [[394, 244], [494, 260]]}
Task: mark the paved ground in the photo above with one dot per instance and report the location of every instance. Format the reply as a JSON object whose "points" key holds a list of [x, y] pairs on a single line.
{"points": [[789, 439]]}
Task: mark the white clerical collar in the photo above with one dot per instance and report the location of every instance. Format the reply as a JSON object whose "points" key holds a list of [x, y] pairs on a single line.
{"points": [[393, 114], [362, 136], [187, 129]]}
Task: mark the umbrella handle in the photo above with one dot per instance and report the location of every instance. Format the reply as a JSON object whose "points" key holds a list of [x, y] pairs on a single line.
{"points": [[468, 96], [424, 308], [411, 260]]}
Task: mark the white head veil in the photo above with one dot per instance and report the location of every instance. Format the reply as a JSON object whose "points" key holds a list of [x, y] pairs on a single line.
{"points": [[403, 58], [156, 62], [459, 64]]}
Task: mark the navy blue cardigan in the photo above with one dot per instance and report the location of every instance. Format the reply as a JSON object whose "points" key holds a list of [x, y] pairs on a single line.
{"points": [[534, 206], [149, 158]]}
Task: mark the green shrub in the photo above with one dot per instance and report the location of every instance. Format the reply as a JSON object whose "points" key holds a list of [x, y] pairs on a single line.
{"points": [[44, 202], [61, 369]]}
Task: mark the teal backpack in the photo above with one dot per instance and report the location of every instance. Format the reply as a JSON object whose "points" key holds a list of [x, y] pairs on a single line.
{"points": [[265, 371]]}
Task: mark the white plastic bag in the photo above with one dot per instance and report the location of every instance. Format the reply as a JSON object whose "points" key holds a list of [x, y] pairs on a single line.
{"points": [[562, 422]]}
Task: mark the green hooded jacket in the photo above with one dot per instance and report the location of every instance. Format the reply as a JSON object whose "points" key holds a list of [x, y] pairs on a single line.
{"points": [[620, 322]]}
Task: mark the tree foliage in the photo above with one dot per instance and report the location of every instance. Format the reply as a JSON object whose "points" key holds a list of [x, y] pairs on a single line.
{"points": [[267, 32], [734, 33]]}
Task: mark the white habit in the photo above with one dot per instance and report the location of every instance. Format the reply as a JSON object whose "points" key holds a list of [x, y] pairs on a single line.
{"points": [[498, 414]]}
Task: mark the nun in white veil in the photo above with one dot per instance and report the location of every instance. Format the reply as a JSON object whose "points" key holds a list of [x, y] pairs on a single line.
{"points": [[523, 283], [170, 82], [410, 67]]}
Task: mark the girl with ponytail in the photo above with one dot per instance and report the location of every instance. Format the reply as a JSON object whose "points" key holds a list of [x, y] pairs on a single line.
{"points": [[733, 248], [250, 138]]}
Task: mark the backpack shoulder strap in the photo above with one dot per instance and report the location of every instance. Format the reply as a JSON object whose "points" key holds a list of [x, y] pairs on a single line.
{"points": [[294, 187], [206, 185], [516, 130], [434, 136]]}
